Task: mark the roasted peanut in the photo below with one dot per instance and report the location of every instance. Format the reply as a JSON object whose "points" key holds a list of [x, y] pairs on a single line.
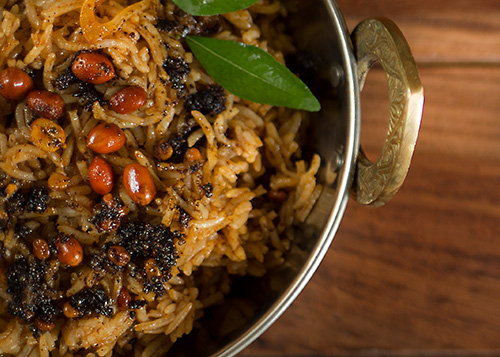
{"points": [[151, 268], [58, 181], [15, 84], [113, 202], [277, 195], [93, 67], [45, 104], [47, 135], [69, 311], [128, 100], [162, 150], [41, 249], [118, 255], [43, 325], [101, 176], [123, 299], [69, 251], [10, 189], [105, 138], [192, 154], [109, 213], [139, 184]]}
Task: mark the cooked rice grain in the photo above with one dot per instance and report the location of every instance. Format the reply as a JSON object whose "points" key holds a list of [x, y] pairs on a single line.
{"points": [[222, 221]]}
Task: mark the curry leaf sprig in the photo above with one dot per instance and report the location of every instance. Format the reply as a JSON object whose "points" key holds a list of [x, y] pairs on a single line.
{"points": [[251, 73], [244, 70], [212, 7]]}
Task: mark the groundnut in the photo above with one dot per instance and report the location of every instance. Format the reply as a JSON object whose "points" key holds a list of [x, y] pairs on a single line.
{"points": [[41, 249], [162, 150], [69, 251], [192, 154], [277, 195], [58, 181], [47, 135], [123, 299], [111, 202], [139, 184], [69, 311], [43, 325], [128, 100], [101, 176], [118, 255], [151, 268], [10, 189], [105, 138], [92, 67], [15, 84], [45, 104]]}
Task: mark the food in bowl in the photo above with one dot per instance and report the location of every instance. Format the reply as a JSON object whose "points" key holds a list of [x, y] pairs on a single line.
{"points": [[133, 186]]}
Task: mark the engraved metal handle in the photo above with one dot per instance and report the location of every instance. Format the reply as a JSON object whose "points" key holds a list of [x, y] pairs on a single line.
{"points": [[380, 39]]}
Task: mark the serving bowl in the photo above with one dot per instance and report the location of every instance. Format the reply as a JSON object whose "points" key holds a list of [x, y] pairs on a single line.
{"points": [[343, 61]]}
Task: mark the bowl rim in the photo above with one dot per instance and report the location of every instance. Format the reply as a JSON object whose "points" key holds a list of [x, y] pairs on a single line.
{"points": [[343, 186]]}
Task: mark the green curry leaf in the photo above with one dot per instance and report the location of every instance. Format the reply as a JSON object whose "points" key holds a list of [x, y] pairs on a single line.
{"points": [[212, 7], [251, 73]]}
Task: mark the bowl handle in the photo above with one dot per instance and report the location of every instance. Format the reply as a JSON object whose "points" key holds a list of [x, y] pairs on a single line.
{"points": [[380, 39]]}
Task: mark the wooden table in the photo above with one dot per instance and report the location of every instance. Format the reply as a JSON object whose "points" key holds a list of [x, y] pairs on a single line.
{"points": [[421, 275]]}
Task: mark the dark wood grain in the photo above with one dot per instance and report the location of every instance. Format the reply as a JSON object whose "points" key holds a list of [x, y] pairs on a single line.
{"points": [[438, 30], [421, 275]]}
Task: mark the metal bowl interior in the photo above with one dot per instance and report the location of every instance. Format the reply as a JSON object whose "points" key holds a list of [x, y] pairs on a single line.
{"points": [[255, 303]]}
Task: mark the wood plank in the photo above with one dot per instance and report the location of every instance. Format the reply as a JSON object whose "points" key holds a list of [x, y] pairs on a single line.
{"points": [[438, 31], [423, 272]]}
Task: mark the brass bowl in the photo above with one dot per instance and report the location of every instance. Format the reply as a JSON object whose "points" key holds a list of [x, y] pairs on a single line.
{"points": [[318, 26]]}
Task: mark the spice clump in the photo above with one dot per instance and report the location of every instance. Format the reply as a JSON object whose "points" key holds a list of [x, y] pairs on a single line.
{"points": [[177, 69], [210, 101], [92, 300], [152, 250], [31, 293]]}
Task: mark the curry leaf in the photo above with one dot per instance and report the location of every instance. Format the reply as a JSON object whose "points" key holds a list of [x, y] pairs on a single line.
{"points": [[212, 7], [251, 73]]}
